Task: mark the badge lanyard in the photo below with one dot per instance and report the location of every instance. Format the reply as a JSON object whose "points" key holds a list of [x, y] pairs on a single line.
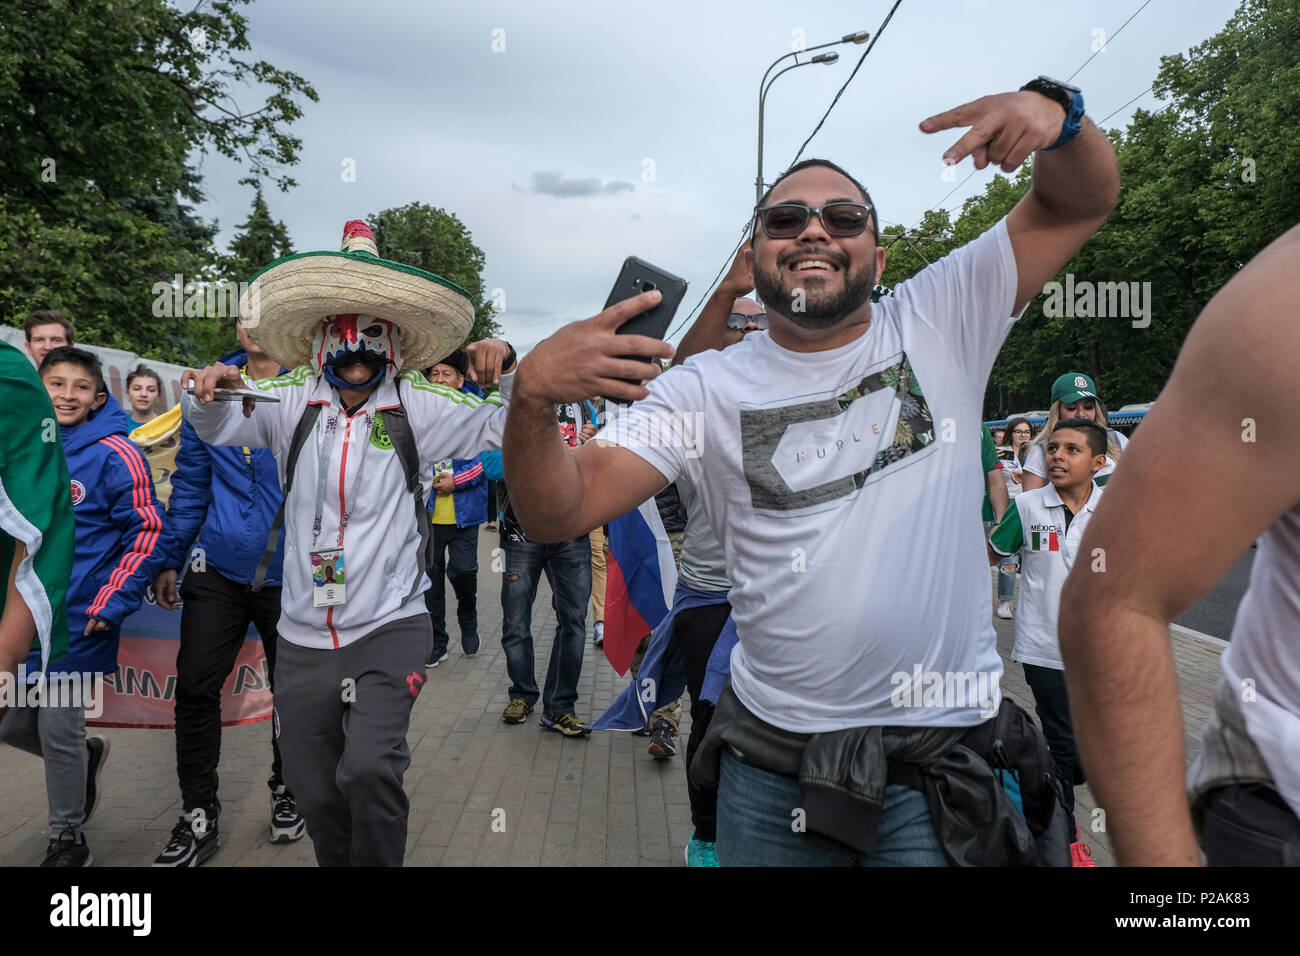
{"points": [[322, 472]]}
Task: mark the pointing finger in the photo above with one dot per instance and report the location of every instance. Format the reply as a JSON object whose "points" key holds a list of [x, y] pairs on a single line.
{"points": [[948, 119]]}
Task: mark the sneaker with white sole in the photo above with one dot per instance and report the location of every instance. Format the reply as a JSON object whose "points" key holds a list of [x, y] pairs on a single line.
{"points": [[68, 850], [287, 823], [1005, 611], [194, 840], [598, 634]]}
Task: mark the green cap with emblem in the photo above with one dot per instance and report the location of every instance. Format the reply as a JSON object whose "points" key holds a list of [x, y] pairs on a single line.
{"points": [[1072, 386]]}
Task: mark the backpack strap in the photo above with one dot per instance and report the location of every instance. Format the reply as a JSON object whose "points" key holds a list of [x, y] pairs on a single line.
{"points": [[399, 431], [305, 425]]}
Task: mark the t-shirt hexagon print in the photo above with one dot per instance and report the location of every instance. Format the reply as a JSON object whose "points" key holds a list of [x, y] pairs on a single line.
{"points": [[844, 488]]}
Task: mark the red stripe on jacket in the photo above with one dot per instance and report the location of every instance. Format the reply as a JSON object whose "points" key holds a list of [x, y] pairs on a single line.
{"points": [[469, 474], [146, 538]]}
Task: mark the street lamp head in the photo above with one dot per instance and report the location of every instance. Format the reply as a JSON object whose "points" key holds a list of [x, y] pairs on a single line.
{"points": [[860, 37], [825, 58]]}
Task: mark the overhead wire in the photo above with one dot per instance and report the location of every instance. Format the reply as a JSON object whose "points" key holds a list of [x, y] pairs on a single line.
{"points": [[840, 92]]}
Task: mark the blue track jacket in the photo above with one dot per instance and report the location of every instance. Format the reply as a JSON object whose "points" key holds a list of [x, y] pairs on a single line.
{"points": [[227, 497], [470, 498], [119, 523]]}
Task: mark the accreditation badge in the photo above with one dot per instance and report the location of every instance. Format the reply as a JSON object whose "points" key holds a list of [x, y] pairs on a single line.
{"points": [[327, 578]]}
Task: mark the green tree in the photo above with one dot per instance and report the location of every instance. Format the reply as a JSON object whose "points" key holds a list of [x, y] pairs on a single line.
{"points": [[261, 240], [437, 241], [103, 107]]}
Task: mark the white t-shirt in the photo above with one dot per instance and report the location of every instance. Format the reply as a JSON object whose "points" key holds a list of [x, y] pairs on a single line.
{"points": [[1265, 651], [703, 565], [1036, 459], [845, 489], [1034, 525]]}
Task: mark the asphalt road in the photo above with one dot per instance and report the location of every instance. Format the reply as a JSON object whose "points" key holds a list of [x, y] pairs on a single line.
{"points": [[1214, 613]]}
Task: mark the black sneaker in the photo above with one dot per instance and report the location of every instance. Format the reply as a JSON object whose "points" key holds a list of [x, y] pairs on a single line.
{"points": [[194, 840], [663, 739], [287, 823], [68, 850], [98, 749]]}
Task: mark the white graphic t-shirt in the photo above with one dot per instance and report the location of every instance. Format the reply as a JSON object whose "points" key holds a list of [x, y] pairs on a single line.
{"points": [[845, 489]]}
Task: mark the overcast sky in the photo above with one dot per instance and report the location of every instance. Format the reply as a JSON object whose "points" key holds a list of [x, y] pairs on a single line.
{"points": [[607, 129]]}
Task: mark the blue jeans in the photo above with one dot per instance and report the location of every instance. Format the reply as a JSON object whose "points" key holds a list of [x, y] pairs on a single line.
{"points": [[568, 570], [1006, 579], [756, 817]]}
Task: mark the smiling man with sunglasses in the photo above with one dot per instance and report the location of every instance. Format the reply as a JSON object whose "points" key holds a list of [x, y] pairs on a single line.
{"points": [[837, 464]]}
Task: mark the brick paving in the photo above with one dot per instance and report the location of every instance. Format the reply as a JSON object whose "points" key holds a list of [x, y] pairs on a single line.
{"points": [[483, 793]]}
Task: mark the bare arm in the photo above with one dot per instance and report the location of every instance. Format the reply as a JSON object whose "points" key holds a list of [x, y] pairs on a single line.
{"points": [[1029, 481], [17, 626], [565, 492], [1074, 187], [999, 497], [706, 332], [1115, 625], [559, 493]]}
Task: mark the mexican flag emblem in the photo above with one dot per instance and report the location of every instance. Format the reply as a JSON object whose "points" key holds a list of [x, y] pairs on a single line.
{"points": [[1044, 541]]}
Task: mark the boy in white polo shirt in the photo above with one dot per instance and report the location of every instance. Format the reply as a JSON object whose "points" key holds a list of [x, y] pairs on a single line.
{"points": [[1046, 525]]}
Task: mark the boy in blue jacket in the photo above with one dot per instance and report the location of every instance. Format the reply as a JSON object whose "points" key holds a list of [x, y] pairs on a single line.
{"points": [[118, 524], [458, 506]]}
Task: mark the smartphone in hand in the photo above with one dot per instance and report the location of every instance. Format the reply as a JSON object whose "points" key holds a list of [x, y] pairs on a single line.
{"points": [[639, 276]]}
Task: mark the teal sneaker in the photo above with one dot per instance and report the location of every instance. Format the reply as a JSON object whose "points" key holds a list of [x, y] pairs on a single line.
{"points": [[699, 853]]}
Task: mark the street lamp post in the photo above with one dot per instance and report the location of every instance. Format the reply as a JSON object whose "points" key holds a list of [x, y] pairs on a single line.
{"points": [[764, 85]]}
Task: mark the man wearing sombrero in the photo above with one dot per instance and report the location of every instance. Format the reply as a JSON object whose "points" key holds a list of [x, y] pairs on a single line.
{"points": [[355, 430]]}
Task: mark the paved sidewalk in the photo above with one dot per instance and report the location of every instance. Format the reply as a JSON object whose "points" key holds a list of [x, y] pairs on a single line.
{"points": [[596, 801]]}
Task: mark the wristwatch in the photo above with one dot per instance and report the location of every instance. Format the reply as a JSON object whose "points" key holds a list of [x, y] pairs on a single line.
{"points": [[510, 359], [1071, 100]]}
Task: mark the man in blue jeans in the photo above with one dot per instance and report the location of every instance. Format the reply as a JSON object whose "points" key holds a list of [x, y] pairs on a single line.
{"points": [[837, 465], [568, 570]]}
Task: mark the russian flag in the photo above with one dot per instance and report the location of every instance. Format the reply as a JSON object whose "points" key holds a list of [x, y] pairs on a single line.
{"points": [[640, 579]]}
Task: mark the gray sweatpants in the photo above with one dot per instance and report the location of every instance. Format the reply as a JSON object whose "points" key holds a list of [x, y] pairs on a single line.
{"points": [[341, 718], [57, 734]]}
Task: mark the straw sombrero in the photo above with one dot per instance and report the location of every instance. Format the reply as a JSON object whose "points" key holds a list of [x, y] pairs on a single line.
{"points": [[284, 303]]}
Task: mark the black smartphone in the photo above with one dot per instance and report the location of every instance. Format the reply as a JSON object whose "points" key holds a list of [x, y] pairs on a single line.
{"points": [[639, 276]]}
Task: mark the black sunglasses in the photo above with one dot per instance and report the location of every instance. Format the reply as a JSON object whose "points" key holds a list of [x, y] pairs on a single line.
{"points": [[787, 220], [737, 321]]}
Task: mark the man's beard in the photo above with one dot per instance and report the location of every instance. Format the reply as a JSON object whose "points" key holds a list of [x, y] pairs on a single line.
{"points": [[815, 310]]}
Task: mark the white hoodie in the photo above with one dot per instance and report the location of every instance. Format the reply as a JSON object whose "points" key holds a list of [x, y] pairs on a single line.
{"points": [[381, 539]]}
